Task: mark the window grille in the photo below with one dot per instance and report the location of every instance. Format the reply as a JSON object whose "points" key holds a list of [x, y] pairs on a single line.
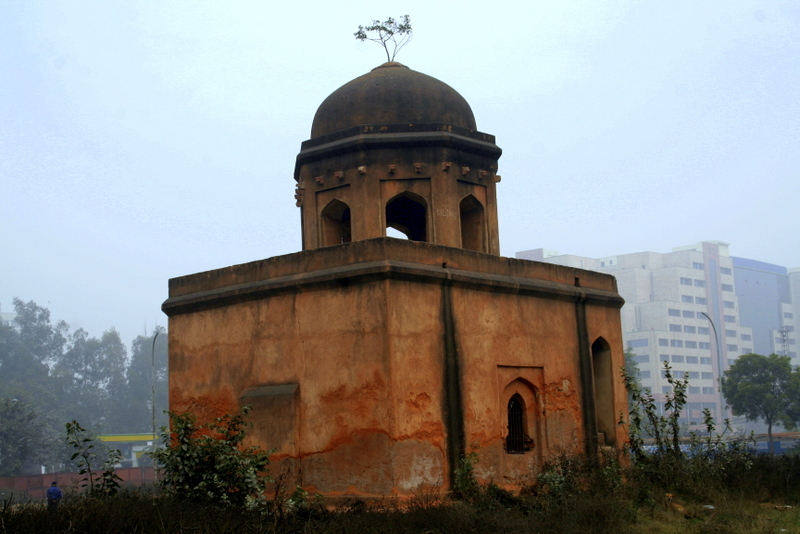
{"points": [[515, 442]]}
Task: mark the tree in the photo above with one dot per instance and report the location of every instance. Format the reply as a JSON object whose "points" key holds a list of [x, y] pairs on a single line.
{"points": [[65, 376], [22, 373], [25, 379], [793, 407], [631, 366], [44, 340], [398, 33], [28, 350], [760, 387], [23, 438], [94, 372]]}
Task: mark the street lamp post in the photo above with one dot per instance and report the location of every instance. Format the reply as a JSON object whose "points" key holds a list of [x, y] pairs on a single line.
{"points": [[153, 384], [719, 366]]}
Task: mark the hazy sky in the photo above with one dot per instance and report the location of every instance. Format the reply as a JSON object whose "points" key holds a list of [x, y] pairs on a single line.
{"points": [[141, 141]]}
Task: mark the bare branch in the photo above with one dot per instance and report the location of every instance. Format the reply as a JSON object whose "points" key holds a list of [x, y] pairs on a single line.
{"points": [[388, 31]]}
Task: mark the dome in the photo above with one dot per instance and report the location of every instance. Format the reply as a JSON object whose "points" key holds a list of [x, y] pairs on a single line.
{"points": [[392, 94]]}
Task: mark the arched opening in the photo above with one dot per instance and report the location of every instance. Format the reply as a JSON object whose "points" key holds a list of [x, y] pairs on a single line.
{"points": [[407, 213], [335, 227], [523, 417], [603, 392], [472, 224], [517, 431]]}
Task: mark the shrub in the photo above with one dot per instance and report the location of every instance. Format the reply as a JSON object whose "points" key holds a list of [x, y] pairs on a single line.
{"points": [[106, 482], [208, 462], [693, 465], [465, 486]]}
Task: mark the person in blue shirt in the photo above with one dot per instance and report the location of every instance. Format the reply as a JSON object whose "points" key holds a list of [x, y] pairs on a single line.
{"points": [[53, 496]]}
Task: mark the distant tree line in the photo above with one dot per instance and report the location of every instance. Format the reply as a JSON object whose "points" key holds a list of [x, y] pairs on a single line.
{"points": [[50, 375]]}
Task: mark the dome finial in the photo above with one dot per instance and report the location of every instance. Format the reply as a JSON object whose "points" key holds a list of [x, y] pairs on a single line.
{"points": [[396, 32]]}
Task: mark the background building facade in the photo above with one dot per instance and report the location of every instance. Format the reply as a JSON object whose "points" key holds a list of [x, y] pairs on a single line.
{"points": [[698, 308], [764, 291]]}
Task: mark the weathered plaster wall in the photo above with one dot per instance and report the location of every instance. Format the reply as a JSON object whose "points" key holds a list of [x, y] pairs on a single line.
{"points": [[604, 322], [344, 354], [504, 338], [332, 344]]}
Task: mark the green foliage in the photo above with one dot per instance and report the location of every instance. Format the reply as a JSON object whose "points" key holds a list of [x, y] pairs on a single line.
{"points": [[675, 463], [61, 376], [109, 480], [631, 367], [465, 486], [23, 436], [763, 387], [29, 422], [106, 482], [396, 32], [558, 480], [645, 421], [44, 340], [567, 480], [208, 462]]}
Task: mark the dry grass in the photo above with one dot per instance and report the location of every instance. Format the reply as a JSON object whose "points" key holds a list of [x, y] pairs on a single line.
{"points": [[136, 513], [572, 497], [734, 517]]}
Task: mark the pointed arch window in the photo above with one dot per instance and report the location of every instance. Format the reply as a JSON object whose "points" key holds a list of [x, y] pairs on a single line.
{"points": [[602, 371], [472, 224], [407, 213], [335, 224], [515, 440]]}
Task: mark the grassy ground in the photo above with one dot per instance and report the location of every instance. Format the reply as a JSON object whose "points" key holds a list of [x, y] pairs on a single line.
{"points": [[143, 513], [758, 495], [733, 516]]}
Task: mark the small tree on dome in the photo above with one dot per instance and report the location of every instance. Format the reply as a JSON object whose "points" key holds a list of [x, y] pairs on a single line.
{"points": [[396, 32]]}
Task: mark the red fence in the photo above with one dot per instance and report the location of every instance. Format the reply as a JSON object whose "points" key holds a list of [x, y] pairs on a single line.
{"points": [[35, 486]]}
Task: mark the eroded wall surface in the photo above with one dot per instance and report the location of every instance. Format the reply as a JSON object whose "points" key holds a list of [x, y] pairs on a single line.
{"points": [[372, 367]]}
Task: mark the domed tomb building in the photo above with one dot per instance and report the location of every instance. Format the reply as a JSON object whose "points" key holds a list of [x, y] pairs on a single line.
{"points": [[374, 364], [396, 148]]}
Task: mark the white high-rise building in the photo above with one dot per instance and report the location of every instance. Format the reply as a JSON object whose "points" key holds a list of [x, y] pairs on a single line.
{"points": [[684, 307]]}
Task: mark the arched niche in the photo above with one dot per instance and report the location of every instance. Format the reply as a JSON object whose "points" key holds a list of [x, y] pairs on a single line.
{"points": [[521, 417], [335, 223], [473, 224], [408, 213], [603, 373]]}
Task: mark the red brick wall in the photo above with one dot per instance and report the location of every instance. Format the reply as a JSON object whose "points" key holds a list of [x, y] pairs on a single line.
{"points": [[35, 486]]}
